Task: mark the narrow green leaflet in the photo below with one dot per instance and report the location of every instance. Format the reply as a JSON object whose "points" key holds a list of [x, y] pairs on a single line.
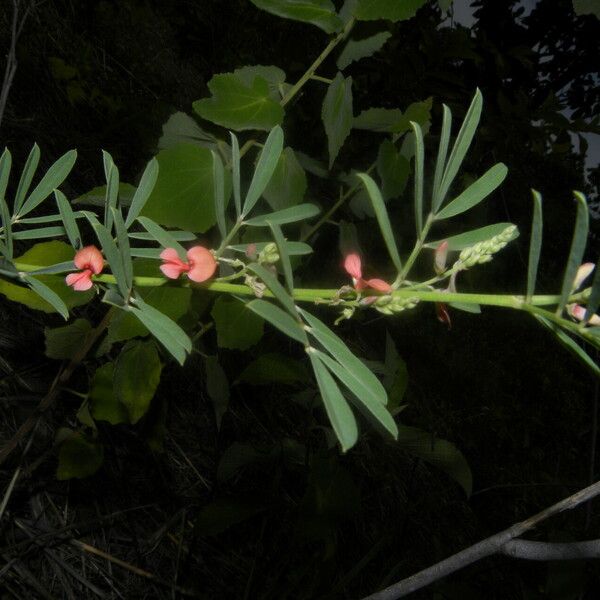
{"points": [[6, 223], [219, 193], [111, 252], [124, 249], [68, 219], [571, 345], [340, 415], [5, 166], [47, 294], [393, 10], [578, 243], [283, 255], [265, 168], [301, 212], [136, 377], [237, 329], [340, 352], [180, 236], [320, 13], [382, 218], [55, 175], [46, 257], [27, 176], [469, 238], [337, 114], [142, 192], [162, 236], [279, 319], [276, 288], [461, 146], [440, 163], [112, 189], [239, 106], [535, 244], [594, 299], [419, 176], [369, 405], [235, 169], [288, 183], [475, 193], [39, 233], [358, 49], [292, 248], [165, 330]]}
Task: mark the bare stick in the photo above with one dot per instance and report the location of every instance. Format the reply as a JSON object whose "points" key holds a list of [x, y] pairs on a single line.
{"points": [[552, 551], [63, 376], [487, 547], [18, 21]]}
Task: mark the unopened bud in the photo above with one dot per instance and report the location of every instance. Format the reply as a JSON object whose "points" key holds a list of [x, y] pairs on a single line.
{"points": [[269, 254], [441, 254], [483, 252], [389, 305]]}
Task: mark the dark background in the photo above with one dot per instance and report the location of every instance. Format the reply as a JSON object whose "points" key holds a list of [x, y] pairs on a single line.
{"points": [[106, 75]]}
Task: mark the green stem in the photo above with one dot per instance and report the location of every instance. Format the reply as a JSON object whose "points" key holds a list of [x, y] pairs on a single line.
{"points": [[311, 70], [229, 237], [415, 252], [321, 79]]}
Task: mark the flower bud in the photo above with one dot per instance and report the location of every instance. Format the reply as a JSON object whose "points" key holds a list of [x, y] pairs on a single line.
{"points": [[441, 255], [269, 254]]}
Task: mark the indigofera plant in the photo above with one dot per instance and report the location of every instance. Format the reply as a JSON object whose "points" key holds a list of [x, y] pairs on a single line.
{"points": [[244, 252]]}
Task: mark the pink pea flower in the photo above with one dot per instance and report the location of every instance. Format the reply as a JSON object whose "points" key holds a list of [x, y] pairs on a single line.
{"points": [[353, 266], [89, 261], [199, 267]]}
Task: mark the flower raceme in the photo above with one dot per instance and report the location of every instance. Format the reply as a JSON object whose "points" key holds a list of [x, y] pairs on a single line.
{"points": [[89, 261], [576, 310], [353, 266], [200, 264]]}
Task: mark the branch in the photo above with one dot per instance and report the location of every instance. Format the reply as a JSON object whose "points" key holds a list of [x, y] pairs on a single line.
{"points": [[11, 57], [62, 377], [548, 551], [497, 544]]}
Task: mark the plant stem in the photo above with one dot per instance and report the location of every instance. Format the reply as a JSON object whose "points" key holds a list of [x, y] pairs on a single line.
{"points": [[415, 252], [312, 69]]}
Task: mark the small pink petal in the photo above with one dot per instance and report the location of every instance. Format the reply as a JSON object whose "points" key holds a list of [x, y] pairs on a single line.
{"points": [[583, 273], [90, 258], [251, 250], [202, 264], [171, 255], [353, 266], [359, 284], [576, 311], [81, 281], [379, 285], [173, 270]]}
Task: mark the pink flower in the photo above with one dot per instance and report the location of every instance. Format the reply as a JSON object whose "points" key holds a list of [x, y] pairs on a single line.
{"points": [[353, 266], [90, 262], [199, 267]]}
